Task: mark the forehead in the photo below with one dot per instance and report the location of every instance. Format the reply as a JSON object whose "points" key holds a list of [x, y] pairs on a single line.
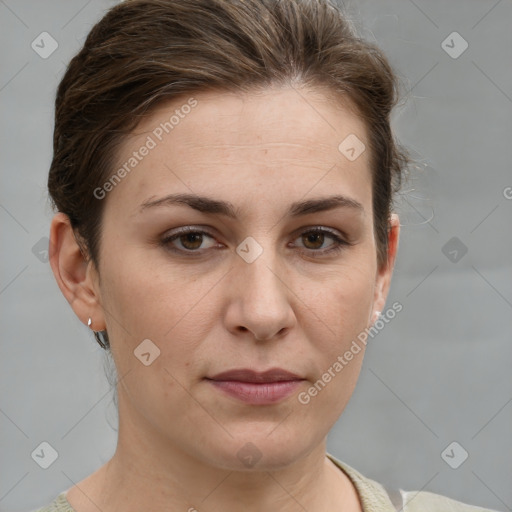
{"points": [[270, 140], [262, 116]]}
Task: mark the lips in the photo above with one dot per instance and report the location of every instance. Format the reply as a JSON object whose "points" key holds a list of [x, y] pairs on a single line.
{"points": [[248, 375], [256, 388]]}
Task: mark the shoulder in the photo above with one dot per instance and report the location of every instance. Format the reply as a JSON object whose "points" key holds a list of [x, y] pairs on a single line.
{"points": [[418, 501], [375, 498], [59, 504]]}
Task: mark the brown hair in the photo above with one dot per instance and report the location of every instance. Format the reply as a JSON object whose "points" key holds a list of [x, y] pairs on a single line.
{"points": [[144, 52]]}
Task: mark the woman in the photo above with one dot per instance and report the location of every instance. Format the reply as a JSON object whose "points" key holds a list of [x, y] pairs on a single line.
{"points": [[223, 176]]}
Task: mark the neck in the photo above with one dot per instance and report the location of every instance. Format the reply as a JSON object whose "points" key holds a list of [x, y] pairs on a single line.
{"points": [[149, 469]]}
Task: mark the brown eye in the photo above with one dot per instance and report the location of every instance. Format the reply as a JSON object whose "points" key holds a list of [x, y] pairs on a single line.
{"points": [[191, 241], [314, 239], [188, 240]]}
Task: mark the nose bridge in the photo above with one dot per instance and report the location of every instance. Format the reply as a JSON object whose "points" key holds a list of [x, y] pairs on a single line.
{"points": [[259, 270], [262, 292]]}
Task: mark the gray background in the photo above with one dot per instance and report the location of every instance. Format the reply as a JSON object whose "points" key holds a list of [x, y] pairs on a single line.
{"points": [[438, 373]]}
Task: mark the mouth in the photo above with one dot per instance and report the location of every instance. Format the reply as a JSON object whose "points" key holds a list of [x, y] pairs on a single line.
{"points": [[257, 388]]}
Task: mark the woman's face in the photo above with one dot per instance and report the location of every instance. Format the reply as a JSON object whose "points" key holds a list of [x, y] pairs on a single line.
{"points": [[252, 287]]}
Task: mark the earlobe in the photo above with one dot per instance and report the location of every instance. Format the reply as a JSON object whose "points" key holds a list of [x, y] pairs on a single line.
{"points": [[70, 269]]}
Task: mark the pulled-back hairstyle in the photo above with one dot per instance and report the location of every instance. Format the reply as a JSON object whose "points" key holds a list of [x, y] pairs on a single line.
{"points": [[144, 52]]}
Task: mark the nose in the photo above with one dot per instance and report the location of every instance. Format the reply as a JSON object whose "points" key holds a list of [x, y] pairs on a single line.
{"points": [[260, 300]]}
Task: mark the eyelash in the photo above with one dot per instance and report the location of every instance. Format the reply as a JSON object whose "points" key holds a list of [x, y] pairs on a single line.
{"points": [[339, 243]]}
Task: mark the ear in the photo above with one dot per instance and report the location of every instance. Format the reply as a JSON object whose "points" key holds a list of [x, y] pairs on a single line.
{"points": [[75, 274], [384, 274]]}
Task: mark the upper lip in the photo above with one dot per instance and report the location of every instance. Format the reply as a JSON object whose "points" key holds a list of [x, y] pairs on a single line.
{"points": [[248, 375]]}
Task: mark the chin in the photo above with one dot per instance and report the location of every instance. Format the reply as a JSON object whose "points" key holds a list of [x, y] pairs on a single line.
{"points": [[259, 452]]}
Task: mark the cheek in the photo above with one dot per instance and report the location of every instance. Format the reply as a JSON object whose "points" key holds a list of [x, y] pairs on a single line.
{"points": [[343, 305], [166, 307], [150, 300], [341, 316]]}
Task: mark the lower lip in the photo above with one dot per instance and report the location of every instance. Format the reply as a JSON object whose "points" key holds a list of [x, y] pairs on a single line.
{"points": [[257, 393]]}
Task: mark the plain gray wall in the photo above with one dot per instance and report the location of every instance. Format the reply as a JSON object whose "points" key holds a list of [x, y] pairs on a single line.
{"points": [[438, 373]]}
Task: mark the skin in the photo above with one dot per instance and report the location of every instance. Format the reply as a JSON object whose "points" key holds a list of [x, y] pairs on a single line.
{"points": [[178, 435]]}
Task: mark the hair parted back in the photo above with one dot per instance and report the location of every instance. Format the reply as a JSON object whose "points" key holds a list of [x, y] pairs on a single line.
{"points": [[144, 52]]}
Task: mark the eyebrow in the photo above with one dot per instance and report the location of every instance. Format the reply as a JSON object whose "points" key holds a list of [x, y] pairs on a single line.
{"points": [[211, 206]]}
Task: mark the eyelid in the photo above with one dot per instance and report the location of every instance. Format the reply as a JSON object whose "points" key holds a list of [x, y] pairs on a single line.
{"points": [[335, 233], [176, 233], [340, 239], [340, 242]]}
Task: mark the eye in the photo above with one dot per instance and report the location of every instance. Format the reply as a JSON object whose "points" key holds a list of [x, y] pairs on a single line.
{"points": [[314, 239], [190, 239]]}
